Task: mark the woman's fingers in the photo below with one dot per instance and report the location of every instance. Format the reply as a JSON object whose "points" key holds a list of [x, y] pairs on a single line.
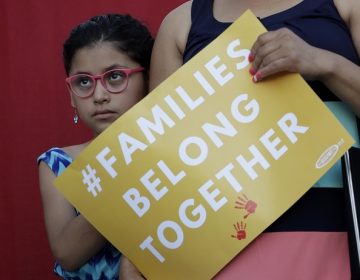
{"points": [[279, 51]]}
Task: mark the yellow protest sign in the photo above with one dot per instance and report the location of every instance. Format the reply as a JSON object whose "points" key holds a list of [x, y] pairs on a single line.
{"points": [[205, 162]]}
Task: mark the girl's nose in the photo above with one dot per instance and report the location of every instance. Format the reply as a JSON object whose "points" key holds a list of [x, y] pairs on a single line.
{"points": [[100, 93]]}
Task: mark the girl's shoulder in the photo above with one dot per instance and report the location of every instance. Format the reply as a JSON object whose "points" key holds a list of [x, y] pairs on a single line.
{"points": [[74, 150], [57, 159]]}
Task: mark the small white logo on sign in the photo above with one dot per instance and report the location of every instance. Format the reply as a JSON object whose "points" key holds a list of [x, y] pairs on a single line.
{"points": [[327, 156]]}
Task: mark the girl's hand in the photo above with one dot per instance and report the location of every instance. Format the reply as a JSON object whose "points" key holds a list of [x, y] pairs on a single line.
{"points": [[283, 51], [128, 271]]}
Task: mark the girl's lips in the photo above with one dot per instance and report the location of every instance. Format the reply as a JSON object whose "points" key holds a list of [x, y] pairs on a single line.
{"points": [[102, 115]]}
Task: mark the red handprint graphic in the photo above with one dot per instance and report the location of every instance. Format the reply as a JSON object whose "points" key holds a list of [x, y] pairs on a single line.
{"points": [[240, 231], [244, 203]]}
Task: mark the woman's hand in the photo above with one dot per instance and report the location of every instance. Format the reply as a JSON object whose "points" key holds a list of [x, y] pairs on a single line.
{"points": [[283, 51], [128, 271]]}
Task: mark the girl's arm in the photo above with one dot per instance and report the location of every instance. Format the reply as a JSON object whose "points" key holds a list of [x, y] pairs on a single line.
{"points": [[128, 271], [73, 240]]}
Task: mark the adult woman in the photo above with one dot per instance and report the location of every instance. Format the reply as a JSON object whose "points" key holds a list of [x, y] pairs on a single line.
{"points": [[106, 60], [310, 240]]}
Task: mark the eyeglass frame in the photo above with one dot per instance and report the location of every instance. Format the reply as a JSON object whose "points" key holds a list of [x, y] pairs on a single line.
{"points": [[128, 72]]}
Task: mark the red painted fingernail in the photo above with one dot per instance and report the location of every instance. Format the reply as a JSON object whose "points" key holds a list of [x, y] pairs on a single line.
{"points": [[251, 57], [257, 77], [252, 70]]}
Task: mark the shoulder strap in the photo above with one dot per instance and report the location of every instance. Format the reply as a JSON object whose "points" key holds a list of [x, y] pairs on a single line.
{"points": [[201, 9]]}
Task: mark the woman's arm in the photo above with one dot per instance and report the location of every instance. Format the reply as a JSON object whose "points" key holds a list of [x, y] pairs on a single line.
{"points": [[170, 44], [72, 239], [345, 82], [282, 50]]}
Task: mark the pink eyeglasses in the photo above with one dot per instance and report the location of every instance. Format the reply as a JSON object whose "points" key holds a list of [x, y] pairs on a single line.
{"points": [[114, 81]]}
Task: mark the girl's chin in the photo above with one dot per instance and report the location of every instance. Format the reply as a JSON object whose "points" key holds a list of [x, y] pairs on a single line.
{"points": [[100, 128]]}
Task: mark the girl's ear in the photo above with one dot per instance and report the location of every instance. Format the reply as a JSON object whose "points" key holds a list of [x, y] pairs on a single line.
{"points": [[73, 104]]}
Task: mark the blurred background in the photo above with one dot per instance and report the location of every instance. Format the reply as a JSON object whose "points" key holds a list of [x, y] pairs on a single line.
{"points": [[35, 114]]}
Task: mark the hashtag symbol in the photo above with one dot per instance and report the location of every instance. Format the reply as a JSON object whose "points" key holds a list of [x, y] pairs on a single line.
{"points": [[91, 180]]}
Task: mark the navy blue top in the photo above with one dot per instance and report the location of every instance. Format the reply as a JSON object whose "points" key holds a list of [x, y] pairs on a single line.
{"points": [[315, 21]]}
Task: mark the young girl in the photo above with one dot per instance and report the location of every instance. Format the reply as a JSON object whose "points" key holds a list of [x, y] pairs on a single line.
{"points": [[106, 60]]}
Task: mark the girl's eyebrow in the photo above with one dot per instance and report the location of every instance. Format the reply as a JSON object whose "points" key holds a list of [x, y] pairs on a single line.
{"points": [[113, 66]]}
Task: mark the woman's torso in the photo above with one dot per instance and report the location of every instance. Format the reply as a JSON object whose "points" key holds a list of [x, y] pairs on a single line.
{"points": [[309, 241]]}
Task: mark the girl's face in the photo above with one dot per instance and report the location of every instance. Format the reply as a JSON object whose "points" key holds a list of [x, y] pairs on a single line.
{"points": [[103, 108]]}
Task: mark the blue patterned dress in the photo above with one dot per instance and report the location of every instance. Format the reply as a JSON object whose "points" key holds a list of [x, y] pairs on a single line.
{"points": [[105, 264]]}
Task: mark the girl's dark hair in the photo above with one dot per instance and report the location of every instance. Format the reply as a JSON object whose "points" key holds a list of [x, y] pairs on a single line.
{"points": [[127, 34]]}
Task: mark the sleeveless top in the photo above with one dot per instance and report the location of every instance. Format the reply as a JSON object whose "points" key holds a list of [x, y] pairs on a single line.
{"points": [[105, 264], [309, 241], [315, 21]]}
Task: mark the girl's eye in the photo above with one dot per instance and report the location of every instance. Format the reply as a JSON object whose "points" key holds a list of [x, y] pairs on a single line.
{"points": [[83, 81], [116, 76]]}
